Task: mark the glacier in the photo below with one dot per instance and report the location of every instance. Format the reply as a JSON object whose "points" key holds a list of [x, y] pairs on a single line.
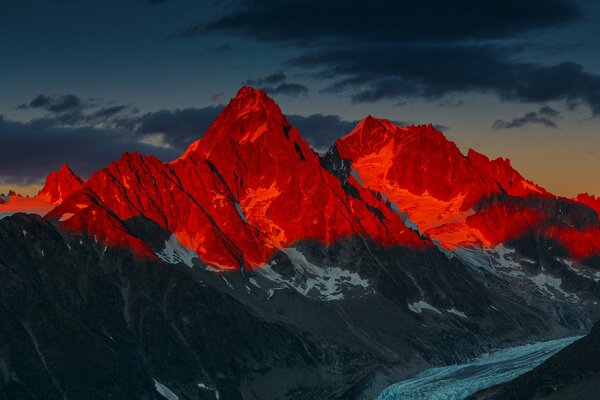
{"points": [[457, 382]]}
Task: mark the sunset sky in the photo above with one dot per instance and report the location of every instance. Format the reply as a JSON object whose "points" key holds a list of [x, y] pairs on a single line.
{"points": [[83, 81]]}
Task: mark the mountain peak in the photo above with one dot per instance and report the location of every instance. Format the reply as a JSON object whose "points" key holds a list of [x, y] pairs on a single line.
{"points": [[250, 115], [589, 200], [59, 185]]}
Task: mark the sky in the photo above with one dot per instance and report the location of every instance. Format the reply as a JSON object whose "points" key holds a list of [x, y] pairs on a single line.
{"points": [[82, 81]]}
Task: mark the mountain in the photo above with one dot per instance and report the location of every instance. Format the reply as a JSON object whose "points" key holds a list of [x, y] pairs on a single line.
{"points": [[572, 374], [589, 200], [254, 267], [462, 201], [228, 198], [60, 185]]}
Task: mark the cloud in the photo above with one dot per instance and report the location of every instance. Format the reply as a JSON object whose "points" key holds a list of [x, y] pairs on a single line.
{"points": [[275, 84], [415, 71], [545, 116], [90, 136], [155, 2], [29, 151], [179, 127], [386, 21], [548, 111], [431, 49], [288, 89], [277, 77], [321, 130], [71, 110], [108, 112], [217, 97], [54, 104]]}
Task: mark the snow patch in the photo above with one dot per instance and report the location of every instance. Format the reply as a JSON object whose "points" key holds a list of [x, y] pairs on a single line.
{"points": [[253, 281], [165, 391], [421, 305], [208, 388], [550, 285], [321, 282], [175, 253]]}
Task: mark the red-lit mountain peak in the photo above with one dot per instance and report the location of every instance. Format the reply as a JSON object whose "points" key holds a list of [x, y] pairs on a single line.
{"points": [[246, 118], [59, 185], [416, 160], [589, 200], [277, 179], [501, 171]]}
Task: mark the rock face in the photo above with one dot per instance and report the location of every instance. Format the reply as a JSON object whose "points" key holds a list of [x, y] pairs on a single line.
{"points": [[252, 266], [572, 374], [462, 201]]}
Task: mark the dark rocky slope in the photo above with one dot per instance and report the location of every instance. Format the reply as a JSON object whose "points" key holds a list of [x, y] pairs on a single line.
{"points": [[81, 320]]}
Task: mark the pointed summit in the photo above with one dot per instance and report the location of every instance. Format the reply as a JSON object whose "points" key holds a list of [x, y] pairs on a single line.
{"points": [[59, 185], [248, 116]]}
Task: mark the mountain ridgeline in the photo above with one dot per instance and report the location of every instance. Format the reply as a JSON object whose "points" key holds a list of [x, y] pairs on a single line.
{"points": [[252, 267]]}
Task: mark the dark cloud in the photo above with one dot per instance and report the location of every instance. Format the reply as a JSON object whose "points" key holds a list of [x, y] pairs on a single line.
{"points": [[71, 110], [155, 2], [545, 116], [549, 111], [434, 71], [277, 77], [321, 130], [288, 89], [275, 84], [108, 112], [29, 151], [432, 49], [54, 104], [391, 21], [90, 137], [179, 127]]}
